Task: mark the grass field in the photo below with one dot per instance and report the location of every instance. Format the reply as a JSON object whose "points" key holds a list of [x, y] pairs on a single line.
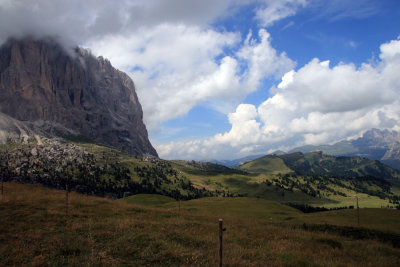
{"points": [[34, 231], [148, 199], [266, 164]]}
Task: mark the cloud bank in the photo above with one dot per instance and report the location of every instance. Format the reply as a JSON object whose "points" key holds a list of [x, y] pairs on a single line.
{"points": [[316, 104], [76, 21], [175, 57]]}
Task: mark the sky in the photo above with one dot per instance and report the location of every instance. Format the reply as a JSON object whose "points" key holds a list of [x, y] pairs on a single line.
{"points": [[230, 78]]}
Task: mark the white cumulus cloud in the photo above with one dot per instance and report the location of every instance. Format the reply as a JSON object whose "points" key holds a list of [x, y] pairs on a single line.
{"points": [[317, 104], [274, 10], [176, 67]]}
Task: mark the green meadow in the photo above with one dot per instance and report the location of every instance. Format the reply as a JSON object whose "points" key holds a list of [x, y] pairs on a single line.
{"points": [[156, 225], [149, 230], [148, 199]]}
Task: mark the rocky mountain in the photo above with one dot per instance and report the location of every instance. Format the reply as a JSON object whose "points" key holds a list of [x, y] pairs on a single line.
{"points": [[47, 90], [382, 145], [392, 156]]}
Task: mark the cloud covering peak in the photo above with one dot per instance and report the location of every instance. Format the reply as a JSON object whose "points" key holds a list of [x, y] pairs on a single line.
{"points": [[79, 21], [176, 60]]}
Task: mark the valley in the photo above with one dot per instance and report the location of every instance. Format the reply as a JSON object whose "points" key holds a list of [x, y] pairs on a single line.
{"points": [[313, 179]]}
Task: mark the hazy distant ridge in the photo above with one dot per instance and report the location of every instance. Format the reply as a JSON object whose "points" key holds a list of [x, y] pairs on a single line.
{"points": [[382, 145]]}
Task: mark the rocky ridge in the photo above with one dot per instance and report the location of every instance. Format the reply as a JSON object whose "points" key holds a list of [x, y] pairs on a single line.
{"points": [[92, 169]]}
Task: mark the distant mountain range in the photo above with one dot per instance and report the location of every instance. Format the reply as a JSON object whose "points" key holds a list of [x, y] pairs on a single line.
{"points": [[320, 164], [375, 144], [382, 145]]}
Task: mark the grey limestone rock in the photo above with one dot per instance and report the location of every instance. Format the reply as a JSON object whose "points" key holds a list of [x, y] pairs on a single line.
{"points": [[43, 85]]}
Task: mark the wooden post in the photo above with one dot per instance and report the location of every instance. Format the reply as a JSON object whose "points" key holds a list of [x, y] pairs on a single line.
{"points": [[3, 171], [358, 212], [220, 242], [66, 200]]}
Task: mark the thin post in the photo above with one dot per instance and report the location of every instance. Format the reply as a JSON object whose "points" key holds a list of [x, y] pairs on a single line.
{"points": [[358, 212], [3, 172], [66, 200], [220, 242]]}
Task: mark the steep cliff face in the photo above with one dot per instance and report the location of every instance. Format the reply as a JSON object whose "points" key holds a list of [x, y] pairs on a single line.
{"points": [[40, 81]]}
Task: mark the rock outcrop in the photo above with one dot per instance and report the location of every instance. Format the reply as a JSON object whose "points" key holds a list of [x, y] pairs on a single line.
{"points": [[41, 83]]}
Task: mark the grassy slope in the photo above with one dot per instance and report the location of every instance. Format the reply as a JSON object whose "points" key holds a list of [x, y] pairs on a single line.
{"points": [[106, 155], [251, 185], [269, 166], [148, 199], [95, 169], [265, 169], [320, 163], [256, 188], [266, 164], [364, 200], [34, 231]]}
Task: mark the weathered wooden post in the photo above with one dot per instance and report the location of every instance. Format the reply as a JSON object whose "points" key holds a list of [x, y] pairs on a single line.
{"points": [[221, 230], [3, 170]]}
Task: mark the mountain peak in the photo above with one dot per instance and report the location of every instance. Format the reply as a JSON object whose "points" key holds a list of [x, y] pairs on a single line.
{"points": [[42, 81], [377, 138]]}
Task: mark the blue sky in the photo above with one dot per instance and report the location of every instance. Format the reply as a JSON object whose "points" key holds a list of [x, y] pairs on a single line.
{"points": [[226, 79], [346, 33]]}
